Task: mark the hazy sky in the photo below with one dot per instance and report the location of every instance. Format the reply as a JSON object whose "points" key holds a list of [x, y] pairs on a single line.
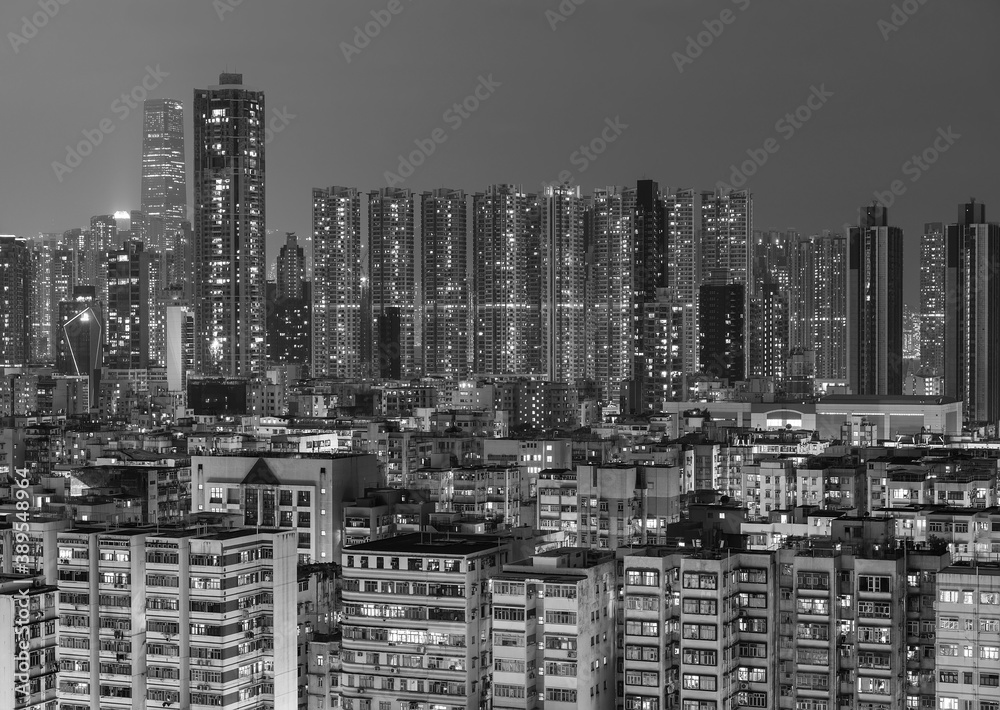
{"points": [[887, 88]]}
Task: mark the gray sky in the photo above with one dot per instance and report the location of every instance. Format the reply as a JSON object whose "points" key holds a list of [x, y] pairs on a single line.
{"points": [[889, 89]]}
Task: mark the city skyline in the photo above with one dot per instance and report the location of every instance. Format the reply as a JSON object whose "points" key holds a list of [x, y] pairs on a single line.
{"points": [[694, 148]]}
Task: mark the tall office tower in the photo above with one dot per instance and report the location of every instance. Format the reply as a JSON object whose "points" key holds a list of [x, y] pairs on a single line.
{"points": [[722, 329], [104, 238], [179, 346], [911, 334], [16, 272], [444, 229], [572, 591], [337, 343], [229, 168], [932, 299], [972, 314], [151, 618], [291, 268], [128, 307], [612, 332], [431, 642], [506, 281], [684, 268], [80, 343], [164, 177], [563, 284], [138, 230], [725, 233], [875, 305], [827, 284], [392, 273]]}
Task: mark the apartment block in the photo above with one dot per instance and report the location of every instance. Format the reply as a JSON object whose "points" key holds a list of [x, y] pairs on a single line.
{"points": [[416, 625], [553, 641], [29, 643], [177, 618]]}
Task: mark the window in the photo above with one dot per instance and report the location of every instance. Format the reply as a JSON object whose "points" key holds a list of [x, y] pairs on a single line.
{"points": [[700, 606], [751, 674], [878, 610], [753, 625], [949, 622], [702, 632], [989, 680], [813, 580], [642, 603], [989, 598], [880, 686], [642, 577], [560, 695], [872, 583], [695, 580], [508, 613], [752, 576], [641, 628], [642, 653], [948, 596], [699, 682], [948, 649], [700, 657], [559, 617], [872, 634], [752, 650], [990, 653]]}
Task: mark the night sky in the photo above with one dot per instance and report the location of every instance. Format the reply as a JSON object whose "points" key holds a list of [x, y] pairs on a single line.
{"points": [[555, 79]]}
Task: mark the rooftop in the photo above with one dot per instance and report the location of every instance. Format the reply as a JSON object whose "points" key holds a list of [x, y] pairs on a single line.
{"points": [[432, 544]]}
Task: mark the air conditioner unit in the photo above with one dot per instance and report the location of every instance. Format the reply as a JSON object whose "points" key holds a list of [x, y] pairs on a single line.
{"points": [[378, 668], [744, 685]]}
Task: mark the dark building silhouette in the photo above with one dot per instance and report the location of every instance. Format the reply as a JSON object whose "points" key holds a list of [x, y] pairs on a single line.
{"points": [[721, 322], [129, 298], [289, 325], [875, 305], [972, 314], [80, 345]]}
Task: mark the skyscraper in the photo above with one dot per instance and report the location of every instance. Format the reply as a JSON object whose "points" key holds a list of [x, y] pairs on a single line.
{"points": [[649, 278], [613, 288], [392, 269], [506, 281], [445, 283], [722, 327], [164, 181], [179, 347], [229, 224], [80, 347], [683, 258], [128, 307], [932, 299], [337, 347], [291, 268], [972, 314], [726, 228], [15, 300], [875, 305], [563, 283], [825, 288], [769, 304]]}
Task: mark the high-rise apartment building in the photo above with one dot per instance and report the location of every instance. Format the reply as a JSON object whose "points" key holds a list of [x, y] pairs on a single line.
{"points": [[16, 278], [553, 640], [933, 266], [563, 284], [291, 268], [722, 325], [972, 314], [129, 301], [229, 224], [445, 299], [392, 270], [825, 280], [177, 618], [506, 268], [725, 233], [29, 642], [338, 349], [875, 305], [612, 288], [683, 266], [179, 346], [417, 623], [164, 174]]}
